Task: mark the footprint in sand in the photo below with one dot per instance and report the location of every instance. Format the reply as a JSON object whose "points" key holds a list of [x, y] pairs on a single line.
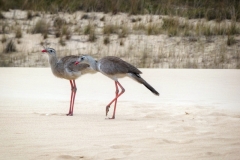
{"points": [[50, 114], [212, 154], [120, 146], [177, 142], [68, 157], [126, 149]]}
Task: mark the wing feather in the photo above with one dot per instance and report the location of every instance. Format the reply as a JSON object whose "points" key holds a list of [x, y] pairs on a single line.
{"points": [[114, 65]]}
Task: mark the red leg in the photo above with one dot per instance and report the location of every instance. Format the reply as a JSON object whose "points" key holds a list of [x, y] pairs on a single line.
{"points": [[70, 108], [73, 94], [115, 99]]}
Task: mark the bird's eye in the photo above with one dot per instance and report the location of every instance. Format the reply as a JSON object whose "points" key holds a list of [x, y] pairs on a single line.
{"points": [[51, 51], [82, 58]]}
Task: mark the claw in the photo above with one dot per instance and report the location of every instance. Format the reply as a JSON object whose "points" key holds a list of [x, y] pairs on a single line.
{"points": [[69, 114], [107, 109]]}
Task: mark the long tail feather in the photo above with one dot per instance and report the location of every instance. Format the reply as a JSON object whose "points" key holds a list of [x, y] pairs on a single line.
{"points": [[139, 79], [151, 88]]}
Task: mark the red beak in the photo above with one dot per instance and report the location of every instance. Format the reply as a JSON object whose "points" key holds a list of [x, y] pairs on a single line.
{"points": [[44, 50], [76, 63]]}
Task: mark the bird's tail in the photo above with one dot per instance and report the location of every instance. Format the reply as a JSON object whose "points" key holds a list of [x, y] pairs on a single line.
{"points": [[139, 79]]}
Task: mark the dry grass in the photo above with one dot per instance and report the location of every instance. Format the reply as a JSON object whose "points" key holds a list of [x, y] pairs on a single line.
{"points": [[211, 10], [121, 42], [62, 42], [1, 15], [4, 38], [153, 29], [59, 22], [4, 27], [18, 32], [110, 29], [92, 36], [40, 27], [10, 47], [123, 31], [147, 41], [106, 40], [66, 31], [88, 29], [231, 40]]}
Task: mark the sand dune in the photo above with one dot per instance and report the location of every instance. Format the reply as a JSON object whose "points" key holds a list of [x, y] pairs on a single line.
{"points": [[196, 116]]}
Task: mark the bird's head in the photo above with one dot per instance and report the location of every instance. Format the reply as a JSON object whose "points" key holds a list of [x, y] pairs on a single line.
{"points": [[50, 51], [82, 59]]}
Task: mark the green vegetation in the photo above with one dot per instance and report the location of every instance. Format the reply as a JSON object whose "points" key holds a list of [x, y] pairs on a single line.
{"points": [[211, 10], [204, 34]]}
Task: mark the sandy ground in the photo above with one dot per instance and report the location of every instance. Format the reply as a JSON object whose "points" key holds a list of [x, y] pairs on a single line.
{"points": [[196, 116]]}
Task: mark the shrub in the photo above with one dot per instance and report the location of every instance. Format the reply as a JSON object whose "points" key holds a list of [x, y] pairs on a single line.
{"points": [[110, 29], [102, 19], [121, 43], [10, 47], [4, 27], [67, 32], [88, 29], [123, 32], [29, 15], [170, 23], [40, 27], [59, 22], [4, 38], [1, 16], [106, 40], [139, 27], [233, 29], [92, 36], [85, 16], [153, 29], [18, 33], [231, 40], [62, 42]]}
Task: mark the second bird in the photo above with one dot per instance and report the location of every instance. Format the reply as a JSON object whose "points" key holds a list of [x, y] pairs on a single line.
{"points": [[114, 68]]}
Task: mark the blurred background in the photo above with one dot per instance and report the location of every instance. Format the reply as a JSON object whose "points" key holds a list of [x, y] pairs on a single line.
{"points": [[146, 33]]}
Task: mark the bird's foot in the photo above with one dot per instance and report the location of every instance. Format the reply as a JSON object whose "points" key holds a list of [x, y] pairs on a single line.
{"points": [[69, 114], [107, 109], [113, 117]]}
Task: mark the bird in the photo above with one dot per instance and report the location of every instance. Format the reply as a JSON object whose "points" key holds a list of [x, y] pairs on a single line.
{"points": [[114, 68], [65, 68]]}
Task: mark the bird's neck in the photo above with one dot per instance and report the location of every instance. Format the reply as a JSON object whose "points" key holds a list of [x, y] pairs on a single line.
{"points": [[93, 63], [53, 60]]}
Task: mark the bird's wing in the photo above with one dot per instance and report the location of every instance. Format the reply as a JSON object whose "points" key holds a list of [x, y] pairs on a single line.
{"points": [[69, 64], [114, 65]]}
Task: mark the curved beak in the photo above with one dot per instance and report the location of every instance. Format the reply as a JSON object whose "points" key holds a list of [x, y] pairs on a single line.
{"points": [[76, 63], [44, 50]]}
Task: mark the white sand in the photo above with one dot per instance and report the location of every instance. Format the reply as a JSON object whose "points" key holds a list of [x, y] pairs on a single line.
{"points": [[197, 116]]}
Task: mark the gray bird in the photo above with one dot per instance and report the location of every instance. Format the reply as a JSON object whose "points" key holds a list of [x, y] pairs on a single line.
{"points": [[65, 68], [114, 68]]}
